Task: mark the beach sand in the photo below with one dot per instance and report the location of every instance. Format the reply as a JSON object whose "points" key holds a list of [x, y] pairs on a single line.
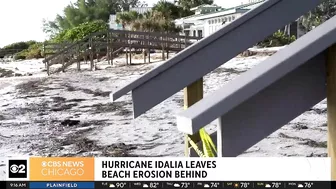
{"points": [[70, 114]]}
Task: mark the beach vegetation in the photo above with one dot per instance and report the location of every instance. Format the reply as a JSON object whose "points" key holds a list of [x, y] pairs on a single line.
{"points": [[19, 45], [279, 38], [34, 51], [315, 17], [25, 49], [81, 31]]}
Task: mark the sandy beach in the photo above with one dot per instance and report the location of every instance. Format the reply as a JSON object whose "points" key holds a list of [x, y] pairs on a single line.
{"points": [[70, 114]]}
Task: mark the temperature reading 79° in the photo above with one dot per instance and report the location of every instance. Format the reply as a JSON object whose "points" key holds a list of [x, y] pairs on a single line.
{"points": [[308, 184]]}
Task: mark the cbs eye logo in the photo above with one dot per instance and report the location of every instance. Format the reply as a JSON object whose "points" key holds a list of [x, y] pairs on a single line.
{"points": [[17, 168]]}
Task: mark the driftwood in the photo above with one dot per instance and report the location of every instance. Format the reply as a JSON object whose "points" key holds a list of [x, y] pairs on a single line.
{"points": [[249, 52]]}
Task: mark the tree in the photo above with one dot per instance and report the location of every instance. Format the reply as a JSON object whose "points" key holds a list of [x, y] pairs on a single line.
{"points": [[83, 11], [125, 5], [126, 18], [49, 27], [153, 21], [170, 10], [158, 22], [320, 14], [188, 4]]}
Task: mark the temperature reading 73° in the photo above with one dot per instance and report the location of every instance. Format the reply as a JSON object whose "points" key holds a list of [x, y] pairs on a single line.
{"points": [[185, 184]]}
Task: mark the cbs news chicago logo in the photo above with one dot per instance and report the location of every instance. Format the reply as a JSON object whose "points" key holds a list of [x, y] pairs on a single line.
{"points": [[17, 169]]}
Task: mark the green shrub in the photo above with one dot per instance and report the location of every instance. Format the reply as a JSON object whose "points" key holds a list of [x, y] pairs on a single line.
{"points": [[34, 51], [27, 49], [277, 39], [19, 56], [19, 45], [80, 32]]}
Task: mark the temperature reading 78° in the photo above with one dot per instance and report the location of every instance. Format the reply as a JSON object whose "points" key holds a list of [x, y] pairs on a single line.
{"points": [[276, 184], [244, 185]]}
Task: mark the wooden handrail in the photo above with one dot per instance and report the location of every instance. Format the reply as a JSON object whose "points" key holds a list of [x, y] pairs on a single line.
{"points": [[10, 50], [71, 46], [104, 33]]}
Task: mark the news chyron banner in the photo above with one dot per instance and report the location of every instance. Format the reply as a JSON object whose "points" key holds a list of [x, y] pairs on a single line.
{"points": [[51, 169], [114, 172]]}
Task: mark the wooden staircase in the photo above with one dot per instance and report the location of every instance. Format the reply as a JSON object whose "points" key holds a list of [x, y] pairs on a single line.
{"points": [[109, 44]]}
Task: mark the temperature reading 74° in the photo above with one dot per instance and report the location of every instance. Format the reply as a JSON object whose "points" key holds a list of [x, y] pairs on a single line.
{"points": [[308, 184], [214, 184]]}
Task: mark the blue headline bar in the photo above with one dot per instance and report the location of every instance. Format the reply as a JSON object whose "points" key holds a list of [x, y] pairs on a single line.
{"points": [[78, 185]]}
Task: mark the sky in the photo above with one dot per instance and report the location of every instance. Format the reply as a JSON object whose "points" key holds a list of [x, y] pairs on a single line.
{"points": [[21, 20]]}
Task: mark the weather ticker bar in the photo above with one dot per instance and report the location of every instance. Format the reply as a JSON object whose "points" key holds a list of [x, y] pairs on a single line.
{"points": [[165, 185]]}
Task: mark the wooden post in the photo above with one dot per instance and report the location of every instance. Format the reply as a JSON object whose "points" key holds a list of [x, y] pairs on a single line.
{"points": [[126, 56], [163, 49], [180, 42], [91, 54], [192, 94], [126, 45], [111, 49], [144, 43], [63, 68], [144, 54], [185, 42], [44, 54], [107, 48], [167, 47], [219, 137], [130, 48], [78, 59], [48, 69], [130, 55], [331, 107], [112, 56], [149, 52]]}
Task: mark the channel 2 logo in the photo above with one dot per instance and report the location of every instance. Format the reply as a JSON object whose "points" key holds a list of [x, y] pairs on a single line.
{"points": [[17, 168]]}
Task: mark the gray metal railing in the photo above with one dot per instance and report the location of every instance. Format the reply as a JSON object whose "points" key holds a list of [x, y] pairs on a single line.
{"points": [[232, 105]]}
